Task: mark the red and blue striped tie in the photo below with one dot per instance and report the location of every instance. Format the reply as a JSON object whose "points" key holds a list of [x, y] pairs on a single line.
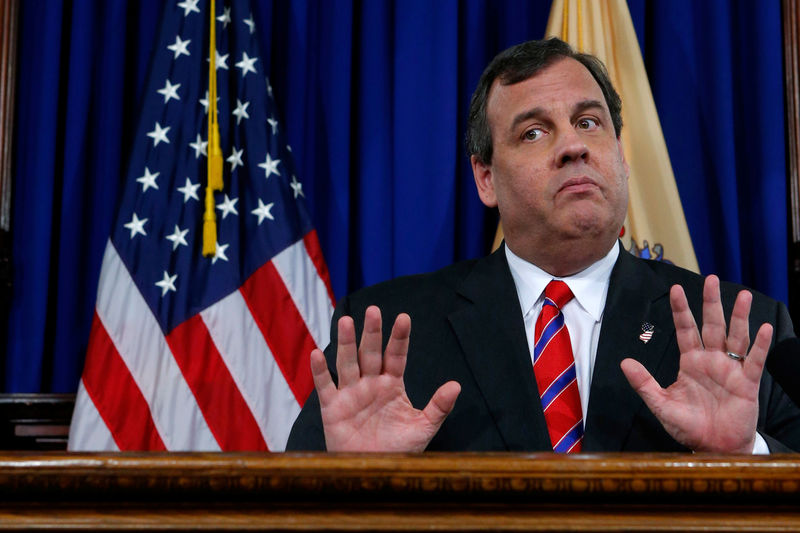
{"points": [[554, 368]]}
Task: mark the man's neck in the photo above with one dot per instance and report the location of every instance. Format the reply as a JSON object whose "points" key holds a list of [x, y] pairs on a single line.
{"points": [[568, 261]]}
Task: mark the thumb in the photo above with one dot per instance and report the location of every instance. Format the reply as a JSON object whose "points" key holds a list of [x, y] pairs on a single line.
{"points": [[442, 402], [643, 383]]}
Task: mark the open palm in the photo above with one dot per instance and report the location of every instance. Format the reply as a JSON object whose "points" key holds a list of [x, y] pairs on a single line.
{"points": [[713, 404], [369, 410]]}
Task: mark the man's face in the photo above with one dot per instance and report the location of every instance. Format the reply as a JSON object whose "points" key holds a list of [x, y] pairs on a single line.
{"points": [[558, 174]]}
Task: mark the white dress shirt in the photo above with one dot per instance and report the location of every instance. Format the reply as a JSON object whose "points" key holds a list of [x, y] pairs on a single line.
{"points": [[583, 315]]}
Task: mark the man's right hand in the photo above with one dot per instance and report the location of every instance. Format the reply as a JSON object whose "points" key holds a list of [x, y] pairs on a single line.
{"points": [[370, 411]]}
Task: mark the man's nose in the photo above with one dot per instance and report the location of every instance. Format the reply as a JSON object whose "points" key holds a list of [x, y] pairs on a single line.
{"points": [[570, 147]]}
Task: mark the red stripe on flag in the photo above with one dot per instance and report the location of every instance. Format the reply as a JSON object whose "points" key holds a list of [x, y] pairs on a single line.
{"points": [[116, 396], [283, 328], [315, 253], [217, 395]]}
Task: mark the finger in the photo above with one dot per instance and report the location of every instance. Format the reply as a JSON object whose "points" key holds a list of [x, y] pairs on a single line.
{"points": [[326, 390], [369, 352], [714, 328], [442, 402], [739, 330], [346, 356], [754, 364], [685, 327], [394, 362], [643, 383]]}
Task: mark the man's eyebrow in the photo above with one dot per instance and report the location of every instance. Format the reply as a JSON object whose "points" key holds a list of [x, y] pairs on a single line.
{"points": [[582, 106], [526, 115]]}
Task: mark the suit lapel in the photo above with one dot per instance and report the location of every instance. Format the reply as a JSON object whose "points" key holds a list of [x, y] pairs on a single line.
{"points": [[491, 332], [635, 296]]}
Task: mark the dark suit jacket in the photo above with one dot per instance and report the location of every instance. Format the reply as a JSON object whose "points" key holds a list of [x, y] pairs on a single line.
{"points": [[467, 326]]}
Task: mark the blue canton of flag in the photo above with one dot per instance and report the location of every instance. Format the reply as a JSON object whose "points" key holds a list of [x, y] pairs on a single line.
{"points": [[205, 353]]}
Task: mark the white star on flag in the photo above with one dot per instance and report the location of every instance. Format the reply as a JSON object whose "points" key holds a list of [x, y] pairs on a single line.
{"points": [[180, 47], [178, 237], [228, 206], [246, 64], [167, 283], [136, 225], [188, 6], [159, 134], [199, 146], [263, 211], [273, 124], [225, 18], [250, 24], [270, 166], [170, 91], [189, 190], [235, 158], [297, 187], [219, 253], [240, 111], [148, 180], [220, 62]]}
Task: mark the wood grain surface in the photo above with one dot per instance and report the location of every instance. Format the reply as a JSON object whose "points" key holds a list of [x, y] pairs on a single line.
{"points": [[387, 492]]}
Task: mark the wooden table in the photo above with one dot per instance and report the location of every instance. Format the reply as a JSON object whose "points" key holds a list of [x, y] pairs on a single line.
{"points": [[438, 492]]}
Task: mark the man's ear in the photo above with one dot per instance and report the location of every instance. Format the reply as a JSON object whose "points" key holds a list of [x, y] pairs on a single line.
{"points": [[484, 181]]}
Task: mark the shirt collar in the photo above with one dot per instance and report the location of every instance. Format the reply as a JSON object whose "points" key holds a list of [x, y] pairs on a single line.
{"points": [[589, 286]]}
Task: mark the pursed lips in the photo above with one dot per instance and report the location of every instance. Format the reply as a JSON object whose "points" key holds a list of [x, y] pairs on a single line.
{"points": [[577, 185]]}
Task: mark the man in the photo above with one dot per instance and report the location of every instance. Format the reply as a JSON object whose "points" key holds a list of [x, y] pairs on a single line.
{"points": [[560, 340]]}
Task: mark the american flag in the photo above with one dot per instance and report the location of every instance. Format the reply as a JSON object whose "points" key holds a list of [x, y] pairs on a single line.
{"points": [[204, 353]]}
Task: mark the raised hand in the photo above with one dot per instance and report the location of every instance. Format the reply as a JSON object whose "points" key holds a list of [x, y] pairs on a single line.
{"points": [[713, 405], [370, 411]]}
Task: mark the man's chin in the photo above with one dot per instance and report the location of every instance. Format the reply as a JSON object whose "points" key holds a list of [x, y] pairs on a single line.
{"points": [[589, 223], [589, 234]]}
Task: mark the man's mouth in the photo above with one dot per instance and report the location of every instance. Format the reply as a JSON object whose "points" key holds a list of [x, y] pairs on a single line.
{"points": [[578, 185]]}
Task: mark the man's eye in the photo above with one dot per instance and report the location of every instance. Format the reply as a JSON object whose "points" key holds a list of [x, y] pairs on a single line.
{"points": [[587, 124], [533, 134]]}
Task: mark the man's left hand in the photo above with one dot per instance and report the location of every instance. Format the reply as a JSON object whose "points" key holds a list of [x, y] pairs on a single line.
{"points": [[713, 405]]}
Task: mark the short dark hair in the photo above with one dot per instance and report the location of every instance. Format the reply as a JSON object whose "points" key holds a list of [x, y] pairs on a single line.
{"points": [[519, 63]]}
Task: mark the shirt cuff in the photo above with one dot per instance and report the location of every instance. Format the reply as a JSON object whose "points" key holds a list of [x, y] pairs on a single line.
{"points": [[760, 446]]}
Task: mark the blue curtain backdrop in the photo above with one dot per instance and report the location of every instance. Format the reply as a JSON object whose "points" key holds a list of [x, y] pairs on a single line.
{"points": [[373, 96]]}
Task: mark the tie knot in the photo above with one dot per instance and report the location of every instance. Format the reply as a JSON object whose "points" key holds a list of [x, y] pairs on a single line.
{"points": [[558, 292]]}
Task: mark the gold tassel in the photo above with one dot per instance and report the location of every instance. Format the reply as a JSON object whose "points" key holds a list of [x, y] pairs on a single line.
{"points": [[209, 226], [214, 160], [214, 179]]}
